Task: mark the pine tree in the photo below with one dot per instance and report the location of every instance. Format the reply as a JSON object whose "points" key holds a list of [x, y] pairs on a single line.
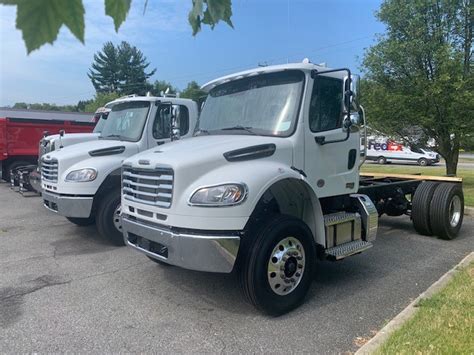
{"points": [[120, 69]]}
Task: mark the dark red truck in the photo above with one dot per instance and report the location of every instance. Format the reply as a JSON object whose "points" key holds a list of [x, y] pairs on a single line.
{"points": [[19, 136]]}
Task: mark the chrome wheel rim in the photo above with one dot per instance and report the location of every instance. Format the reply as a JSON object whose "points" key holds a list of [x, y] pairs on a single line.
{"points": [[117, 220], [286, 266], [455, 211]]}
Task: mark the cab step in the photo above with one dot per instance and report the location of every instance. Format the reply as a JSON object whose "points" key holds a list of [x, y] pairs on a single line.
{"points": [[347, 249]]}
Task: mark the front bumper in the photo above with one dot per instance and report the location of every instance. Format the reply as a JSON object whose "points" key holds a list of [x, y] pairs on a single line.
{"points": [[68, 206], [194, 251]]}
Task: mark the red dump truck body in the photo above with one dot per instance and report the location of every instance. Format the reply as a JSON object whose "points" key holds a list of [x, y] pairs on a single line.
{"points": [[19, 137]]}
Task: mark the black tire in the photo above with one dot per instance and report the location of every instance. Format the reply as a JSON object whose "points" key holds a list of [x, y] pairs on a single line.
{"points": [[82, 222], [162, 263], [423, 162], [381, 160], [420, 210], [105, 217], [442, 208], [13, 166], [254, 271]]}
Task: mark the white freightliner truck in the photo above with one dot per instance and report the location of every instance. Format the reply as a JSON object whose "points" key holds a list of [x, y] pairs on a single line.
{"points": [[82, 181], [270, 182]]}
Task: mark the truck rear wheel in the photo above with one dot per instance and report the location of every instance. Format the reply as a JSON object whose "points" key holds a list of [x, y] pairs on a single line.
{"points": [[81, 221], [420, 211], [277, 267], [108, 218], [447, 210]]}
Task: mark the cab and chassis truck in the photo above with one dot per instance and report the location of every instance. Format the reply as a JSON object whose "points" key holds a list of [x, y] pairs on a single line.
{"points": [[82, 182], [270, 182]]}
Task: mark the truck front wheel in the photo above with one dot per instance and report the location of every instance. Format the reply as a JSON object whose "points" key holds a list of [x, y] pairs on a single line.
{"points": [[277, 266], [108, 218]]}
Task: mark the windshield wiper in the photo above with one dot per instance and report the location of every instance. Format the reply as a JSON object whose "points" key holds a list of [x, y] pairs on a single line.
{"points": [[119, 136], [239, 128], [200, 130]]}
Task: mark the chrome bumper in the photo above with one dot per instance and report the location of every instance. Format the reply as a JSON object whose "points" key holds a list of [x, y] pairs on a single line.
{"points": [[68, 206], [212, 253]]}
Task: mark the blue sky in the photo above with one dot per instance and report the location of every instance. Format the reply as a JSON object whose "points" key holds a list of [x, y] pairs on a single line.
{"points": [[265, 31]]}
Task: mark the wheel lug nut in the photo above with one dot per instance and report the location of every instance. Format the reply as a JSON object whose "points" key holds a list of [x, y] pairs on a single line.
{"points": [[299, 257], [282, 275], [287, 281], [297, 274]]}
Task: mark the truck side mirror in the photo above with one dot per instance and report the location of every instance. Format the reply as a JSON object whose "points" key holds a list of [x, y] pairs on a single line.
{"points": [[175, 129]]}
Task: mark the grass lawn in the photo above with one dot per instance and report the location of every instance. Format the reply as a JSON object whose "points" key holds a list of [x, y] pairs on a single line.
{"points": [[467, 174], [443, 324]]}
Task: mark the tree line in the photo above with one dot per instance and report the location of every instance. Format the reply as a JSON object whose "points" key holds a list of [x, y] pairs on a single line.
{"points": [[119, 70]]}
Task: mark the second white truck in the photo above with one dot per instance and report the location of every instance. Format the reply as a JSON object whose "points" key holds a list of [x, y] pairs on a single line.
{"points": [[82, 182]]}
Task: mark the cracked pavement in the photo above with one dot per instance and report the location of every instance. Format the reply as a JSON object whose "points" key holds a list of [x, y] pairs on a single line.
{"points": [[63, 288]]}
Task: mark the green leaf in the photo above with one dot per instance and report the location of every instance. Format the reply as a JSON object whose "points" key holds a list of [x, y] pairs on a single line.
{"points": [[195, 16], [73, 17], [215, 11], [118, 10], [40, 20]]}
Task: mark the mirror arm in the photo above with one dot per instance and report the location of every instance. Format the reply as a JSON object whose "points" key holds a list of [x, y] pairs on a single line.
{"points": [[321, 140]]}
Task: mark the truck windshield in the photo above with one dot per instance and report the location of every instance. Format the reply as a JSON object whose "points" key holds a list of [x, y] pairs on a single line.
{"points": [[126, 121], [100, 123], [265, 104]]}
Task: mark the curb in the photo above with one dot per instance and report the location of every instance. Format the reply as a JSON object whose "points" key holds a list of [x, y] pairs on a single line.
{"points": [[373, 344], [469, 210]]}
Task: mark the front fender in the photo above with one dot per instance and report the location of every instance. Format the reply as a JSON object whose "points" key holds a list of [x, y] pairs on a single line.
{"points": [[257, 175]]}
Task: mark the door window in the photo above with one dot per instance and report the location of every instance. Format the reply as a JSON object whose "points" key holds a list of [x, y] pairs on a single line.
{"points": [[325, 112], [162, 123]]}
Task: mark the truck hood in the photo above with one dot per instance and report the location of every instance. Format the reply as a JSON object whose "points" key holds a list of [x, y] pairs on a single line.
{"points": [[203, 153], [92, 154], [71, 138]]}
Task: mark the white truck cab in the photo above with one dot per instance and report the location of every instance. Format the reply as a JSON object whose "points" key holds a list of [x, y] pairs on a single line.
{"points": [[268, 183], [82, 181]]}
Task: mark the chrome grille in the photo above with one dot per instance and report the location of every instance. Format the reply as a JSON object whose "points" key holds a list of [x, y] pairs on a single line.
{"points": [[49, 170], [149, 186]]}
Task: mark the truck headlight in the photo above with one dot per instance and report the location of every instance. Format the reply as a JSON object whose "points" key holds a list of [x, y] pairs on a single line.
{"points": [[82, 175], [220, 195]]}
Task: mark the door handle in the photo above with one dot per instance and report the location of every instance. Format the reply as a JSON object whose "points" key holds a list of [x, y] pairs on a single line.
{"points": [[160, 142]]}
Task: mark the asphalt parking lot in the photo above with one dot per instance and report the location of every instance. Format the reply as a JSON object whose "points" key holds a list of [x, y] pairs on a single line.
{"points": [[65, 289]]}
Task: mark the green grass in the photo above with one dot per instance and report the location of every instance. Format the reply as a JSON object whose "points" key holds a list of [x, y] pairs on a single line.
{"points": [[467, 174], [443, 324]]}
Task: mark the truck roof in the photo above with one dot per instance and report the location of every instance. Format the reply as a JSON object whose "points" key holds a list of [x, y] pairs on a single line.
{"points": [[176, 100], [305, 66]]}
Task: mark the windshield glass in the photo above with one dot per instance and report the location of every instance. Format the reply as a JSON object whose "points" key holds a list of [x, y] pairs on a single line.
{"points": [[265, 104], [126, 121], [101, 122]]}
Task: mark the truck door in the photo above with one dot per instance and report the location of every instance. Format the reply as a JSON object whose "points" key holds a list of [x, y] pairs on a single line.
{"points": [[161, 126], [331, 168]]}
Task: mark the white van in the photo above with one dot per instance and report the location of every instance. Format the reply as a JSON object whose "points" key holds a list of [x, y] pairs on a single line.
{"points": [[389, 151]]}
